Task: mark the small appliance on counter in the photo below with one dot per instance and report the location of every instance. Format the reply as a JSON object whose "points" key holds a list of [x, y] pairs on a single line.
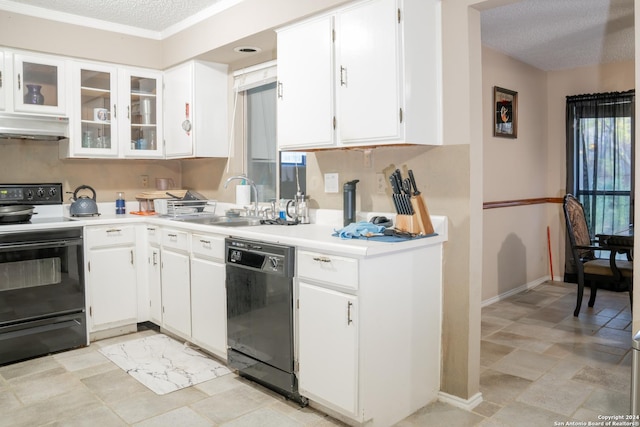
{"points": [[84, 205], [349, 208]]}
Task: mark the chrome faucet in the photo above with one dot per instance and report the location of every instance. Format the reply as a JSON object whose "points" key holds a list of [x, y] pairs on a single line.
{"points": [[253, 187]]}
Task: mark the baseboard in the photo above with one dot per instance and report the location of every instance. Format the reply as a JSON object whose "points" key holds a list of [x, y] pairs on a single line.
{"points": [[517, 290], [458, 402]]}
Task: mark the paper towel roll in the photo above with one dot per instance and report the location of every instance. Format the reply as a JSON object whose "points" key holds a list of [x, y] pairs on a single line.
{"points": [[243, 195]]}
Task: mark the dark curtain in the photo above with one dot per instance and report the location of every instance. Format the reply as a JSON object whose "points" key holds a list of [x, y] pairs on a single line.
{"points": [[600, 149]]}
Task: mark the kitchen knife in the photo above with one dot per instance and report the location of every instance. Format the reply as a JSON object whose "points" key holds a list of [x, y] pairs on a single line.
{"points": [[413, 183], [404, 207], [406, 188], [396, 192]]}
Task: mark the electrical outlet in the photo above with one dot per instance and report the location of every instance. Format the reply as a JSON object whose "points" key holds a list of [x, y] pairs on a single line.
{"points": [[331, 183], [381, 184], [144, 181]]}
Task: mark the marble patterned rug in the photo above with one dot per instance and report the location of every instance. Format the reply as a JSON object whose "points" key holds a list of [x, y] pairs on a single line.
{"points": [[163, 364]]}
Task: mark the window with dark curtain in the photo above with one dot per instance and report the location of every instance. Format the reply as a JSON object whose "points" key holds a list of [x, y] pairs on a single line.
{"points": [[600, 152]]}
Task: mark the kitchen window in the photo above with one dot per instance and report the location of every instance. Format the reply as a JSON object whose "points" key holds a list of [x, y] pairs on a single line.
{"points": [[276, 174]]}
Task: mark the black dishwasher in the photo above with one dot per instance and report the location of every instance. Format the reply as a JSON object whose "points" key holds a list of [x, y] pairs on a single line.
{"points": [[259, 281]]}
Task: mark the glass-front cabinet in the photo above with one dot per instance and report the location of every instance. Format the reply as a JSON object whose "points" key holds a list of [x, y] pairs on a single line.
{"points": [[142, 92], [97, 128], [38, 83], [115, 112]]}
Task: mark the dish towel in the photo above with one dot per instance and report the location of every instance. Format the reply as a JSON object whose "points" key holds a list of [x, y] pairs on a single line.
{"points": [[357, 229]]}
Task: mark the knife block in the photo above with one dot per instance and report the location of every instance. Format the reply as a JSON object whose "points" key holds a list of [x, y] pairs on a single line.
{"points": [[419, 222]]}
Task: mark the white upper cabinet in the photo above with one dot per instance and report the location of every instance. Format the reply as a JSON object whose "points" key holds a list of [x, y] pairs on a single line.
{"points": [[38, 84], [94, 131], [305, 85], [3, 81], [195, 110], [140, 113], [369, 99], [114, 113], [381, 63]]}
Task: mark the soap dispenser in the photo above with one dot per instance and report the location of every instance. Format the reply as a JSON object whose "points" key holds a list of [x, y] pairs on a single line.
{"points": [[349, 208]]}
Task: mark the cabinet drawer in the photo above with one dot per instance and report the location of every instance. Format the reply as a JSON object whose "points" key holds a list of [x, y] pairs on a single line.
{"points": [[154, 235], [333, 269], [207, 246], [175, 239], [116, 235]]}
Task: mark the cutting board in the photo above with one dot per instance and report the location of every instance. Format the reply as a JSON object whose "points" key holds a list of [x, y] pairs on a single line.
{"points": [[160, 194]]}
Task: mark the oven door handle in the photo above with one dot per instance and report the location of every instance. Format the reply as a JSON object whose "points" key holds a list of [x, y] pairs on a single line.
{"points": [[60, 323], [40, 245]]}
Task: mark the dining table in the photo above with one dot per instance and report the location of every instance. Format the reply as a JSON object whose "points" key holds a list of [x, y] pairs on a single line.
{"points": [[620, 242]]}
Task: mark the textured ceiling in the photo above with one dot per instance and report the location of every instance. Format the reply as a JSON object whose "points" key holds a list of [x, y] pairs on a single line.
{"points": [[150, 15], [562, 34]]}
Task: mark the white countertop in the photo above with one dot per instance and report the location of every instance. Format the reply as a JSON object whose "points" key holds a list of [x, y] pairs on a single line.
{"points": [[316, 236]]}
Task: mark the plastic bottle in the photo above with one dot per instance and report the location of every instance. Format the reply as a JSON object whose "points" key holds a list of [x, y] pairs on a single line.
{"points": [[349, 207], [120, 204]]}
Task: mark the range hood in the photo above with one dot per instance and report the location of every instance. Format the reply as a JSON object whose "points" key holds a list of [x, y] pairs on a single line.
{"points": [[33, 127]]}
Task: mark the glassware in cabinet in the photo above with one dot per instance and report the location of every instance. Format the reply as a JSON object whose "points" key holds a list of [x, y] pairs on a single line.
{"points": [[144, 113], [96, 113]]}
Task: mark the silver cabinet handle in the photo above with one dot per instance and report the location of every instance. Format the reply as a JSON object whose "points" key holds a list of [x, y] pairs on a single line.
{"points": [[349, 320], [280, 92], [131, 252], [154, 258], [322, 259], [115, 115], [19, 84], [343, 76], [114, 230]]}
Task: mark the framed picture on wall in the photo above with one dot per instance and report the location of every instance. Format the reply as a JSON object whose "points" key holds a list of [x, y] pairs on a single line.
{"points": [[505, 115]]}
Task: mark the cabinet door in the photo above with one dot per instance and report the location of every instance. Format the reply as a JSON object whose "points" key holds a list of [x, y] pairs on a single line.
{"points": [[209, 305], [155, 283], [39, 84], [305, 85], [367, 70], [328, 337], [112, 289], [176, 295], [179, 121], [95, 134], [140, 113], [3, 78]]}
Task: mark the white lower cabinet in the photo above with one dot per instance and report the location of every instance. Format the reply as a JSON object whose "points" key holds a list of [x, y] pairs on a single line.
{"points": [[368, 333], [154, 274], [176, 290], [111, 276], [208, 294], [328, 346]]}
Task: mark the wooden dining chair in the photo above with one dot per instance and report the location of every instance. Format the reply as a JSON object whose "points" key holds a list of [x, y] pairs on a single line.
{"points": [[589, 267]]}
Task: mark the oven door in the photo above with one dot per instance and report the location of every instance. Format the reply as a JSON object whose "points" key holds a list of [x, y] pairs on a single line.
{"points": [[42, 296]]}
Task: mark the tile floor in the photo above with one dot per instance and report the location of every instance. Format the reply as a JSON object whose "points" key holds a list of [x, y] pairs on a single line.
{"points": [[540, 366]]}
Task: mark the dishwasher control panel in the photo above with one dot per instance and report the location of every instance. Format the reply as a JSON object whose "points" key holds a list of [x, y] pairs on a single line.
{"points": [[267, 257]]}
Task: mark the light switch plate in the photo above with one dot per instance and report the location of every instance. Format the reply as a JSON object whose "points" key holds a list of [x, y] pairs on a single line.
{"points": [[331, 182]]}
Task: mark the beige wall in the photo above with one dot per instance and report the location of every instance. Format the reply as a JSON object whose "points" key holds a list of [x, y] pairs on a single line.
{"points": [[36, 161], [514, 247]]}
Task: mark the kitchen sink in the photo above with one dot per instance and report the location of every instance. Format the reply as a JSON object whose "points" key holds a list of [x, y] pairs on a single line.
{"points": [[225, 221]]}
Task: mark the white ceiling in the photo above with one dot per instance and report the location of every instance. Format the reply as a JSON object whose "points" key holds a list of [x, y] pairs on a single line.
{"points": [[547, 34], [562, 34], [146, 18]]}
